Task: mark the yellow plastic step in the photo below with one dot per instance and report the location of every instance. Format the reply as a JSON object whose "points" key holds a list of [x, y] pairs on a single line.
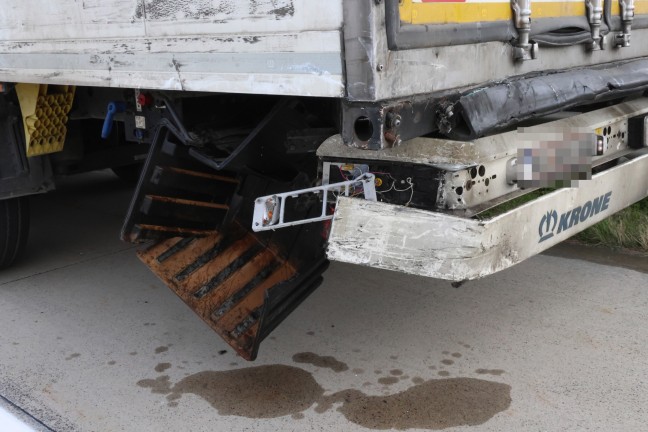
{"points": [[45, 110]]}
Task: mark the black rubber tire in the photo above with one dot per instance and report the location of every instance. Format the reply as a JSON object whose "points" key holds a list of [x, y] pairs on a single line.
{"points": [[14, 229], [129, 174]]}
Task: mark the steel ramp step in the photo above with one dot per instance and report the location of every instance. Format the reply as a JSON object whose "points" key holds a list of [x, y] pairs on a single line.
{"points": [[242, 284], [177, 195], [238, 283]]}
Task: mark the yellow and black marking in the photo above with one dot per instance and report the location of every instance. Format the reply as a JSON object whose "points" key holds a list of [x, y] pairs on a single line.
{"points": [[45, 112], [470, 11]]}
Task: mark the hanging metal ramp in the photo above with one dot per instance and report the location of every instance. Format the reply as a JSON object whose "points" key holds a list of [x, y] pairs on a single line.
{"points": [[242, 284]]}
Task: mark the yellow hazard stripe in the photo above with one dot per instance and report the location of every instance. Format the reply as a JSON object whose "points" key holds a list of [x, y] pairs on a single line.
{"points": [[456, 12]]}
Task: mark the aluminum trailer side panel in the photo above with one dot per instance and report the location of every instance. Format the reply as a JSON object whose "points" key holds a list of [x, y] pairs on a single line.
{"points": [[379, 50], [412, 47], [238, 46]]}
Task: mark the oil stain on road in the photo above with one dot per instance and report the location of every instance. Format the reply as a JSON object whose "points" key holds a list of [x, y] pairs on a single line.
{"points": [[279, 390], [256, 392], [434, 404], [327, 362]]}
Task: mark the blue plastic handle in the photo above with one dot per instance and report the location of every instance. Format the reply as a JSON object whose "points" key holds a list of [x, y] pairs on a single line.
{"points": [[113, 108]]}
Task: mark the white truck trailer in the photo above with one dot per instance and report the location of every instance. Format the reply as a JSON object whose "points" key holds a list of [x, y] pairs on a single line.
{"points": [[281, 134]]}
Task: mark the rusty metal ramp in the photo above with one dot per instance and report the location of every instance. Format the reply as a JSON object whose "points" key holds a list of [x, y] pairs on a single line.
{"points": [[237, 283], [242, 284]]}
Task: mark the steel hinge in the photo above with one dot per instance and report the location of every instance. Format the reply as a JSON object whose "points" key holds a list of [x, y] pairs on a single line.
{"points": [[525, 49], [627, 15], [595, 17]]}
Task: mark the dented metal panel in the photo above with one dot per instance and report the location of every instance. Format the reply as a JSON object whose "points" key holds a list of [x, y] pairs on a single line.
{"points": [[457, 249], [253, 46]]}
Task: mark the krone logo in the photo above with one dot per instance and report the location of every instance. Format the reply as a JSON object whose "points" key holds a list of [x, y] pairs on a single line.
{"points": [[548, 225], [552, 223]]}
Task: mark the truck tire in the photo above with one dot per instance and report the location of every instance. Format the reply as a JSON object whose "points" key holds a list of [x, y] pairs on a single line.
{"points": [[14, 229]]}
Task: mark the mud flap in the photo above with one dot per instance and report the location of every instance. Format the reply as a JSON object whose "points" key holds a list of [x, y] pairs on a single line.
{"points": [[240, 283]]}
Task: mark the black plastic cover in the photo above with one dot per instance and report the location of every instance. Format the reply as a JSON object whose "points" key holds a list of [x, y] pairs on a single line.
{"points": [[487, 109]]}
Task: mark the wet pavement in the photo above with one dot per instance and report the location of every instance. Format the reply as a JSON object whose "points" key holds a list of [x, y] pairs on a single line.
{"points": [[92, 341]]}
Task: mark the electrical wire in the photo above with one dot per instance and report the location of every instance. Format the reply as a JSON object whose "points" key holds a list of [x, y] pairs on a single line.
{"points": [[392, 187]]}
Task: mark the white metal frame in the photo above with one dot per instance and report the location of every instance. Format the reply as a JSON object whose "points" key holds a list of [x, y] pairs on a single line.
{"points": [[261, 221]]}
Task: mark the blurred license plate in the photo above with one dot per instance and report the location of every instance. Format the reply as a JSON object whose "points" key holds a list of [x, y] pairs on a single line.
{"points": [[554, 158]]}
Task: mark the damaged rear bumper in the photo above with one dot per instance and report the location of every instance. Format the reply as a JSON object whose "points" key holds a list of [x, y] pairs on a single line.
{"points": [[443, 246]]}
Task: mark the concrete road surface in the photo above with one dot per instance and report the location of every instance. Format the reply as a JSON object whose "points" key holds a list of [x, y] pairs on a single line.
{"points": [[92, 341]]}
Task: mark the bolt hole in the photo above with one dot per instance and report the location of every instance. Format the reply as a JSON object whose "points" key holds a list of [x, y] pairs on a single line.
{"points": [[473, 172], [363, 128], [459, 190], [482, 171]]}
